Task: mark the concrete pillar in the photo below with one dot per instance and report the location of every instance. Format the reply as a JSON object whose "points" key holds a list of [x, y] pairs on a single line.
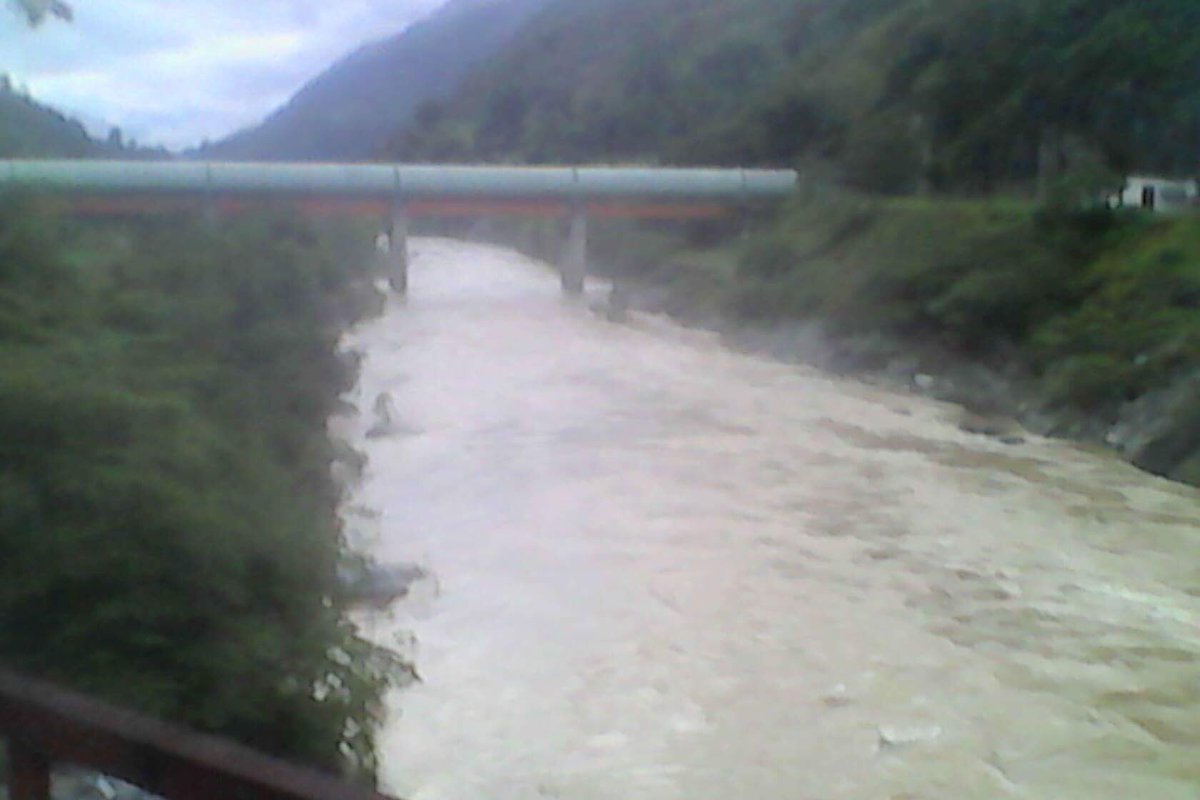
{"points": [[398, 251], [574, 260]]}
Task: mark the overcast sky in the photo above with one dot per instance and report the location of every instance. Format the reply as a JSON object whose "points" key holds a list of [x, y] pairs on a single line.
{"points": [[175, 73]]}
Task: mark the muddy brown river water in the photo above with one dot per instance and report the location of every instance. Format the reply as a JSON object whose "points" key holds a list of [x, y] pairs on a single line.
{"points": [[666, 570]]}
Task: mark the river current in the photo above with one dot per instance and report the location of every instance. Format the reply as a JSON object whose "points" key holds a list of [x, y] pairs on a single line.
{"points": [[667, 570]]}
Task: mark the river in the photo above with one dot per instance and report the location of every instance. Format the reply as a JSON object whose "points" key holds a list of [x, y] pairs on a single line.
{"points": [[667, 570]]}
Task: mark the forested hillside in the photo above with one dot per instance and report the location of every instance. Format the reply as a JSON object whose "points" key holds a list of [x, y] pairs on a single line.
{"points": [[609, 79], [957, 94], [349, 110], [28, 129]]}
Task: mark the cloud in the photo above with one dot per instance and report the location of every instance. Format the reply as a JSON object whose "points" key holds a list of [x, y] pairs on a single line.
{"points": [[175, 74]]}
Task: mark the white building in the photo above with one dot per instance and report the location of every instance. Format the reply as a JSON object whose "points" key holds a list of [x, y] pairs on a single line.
{"points": [[1157, 194]]}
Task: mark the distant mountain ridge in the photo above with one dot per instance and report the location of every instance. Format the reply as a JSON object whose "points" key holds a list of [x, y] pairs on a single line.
{"points": [[31, 130], [350, 110]]}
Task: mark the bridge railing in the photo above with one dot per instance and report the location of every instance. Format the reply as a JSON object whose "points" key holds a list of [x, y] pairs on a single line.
{"points": [[45, 725]]}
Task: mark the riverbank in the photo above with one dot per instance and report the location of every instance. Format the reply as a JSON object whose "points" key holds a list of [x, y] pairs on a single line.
{"points": [[1075, 325]]}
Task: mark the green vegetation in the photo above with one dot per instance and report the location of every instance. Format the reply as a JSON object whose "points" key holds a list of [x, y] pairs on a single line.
{"points": [[605, 79], [957, 94], [29, 130], [908, 267], [1137, 324], [1101, 305], [167, 515]]}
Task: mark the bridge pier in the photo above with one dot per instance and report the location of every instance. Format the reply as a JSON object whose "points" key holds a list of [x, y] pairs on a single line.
{"points": [[574, 261], [398, 251]]}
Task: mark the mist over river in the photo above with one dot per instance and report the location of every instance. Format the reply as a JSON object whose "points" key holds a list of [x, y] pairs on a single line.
{"points": [[666, 570]]}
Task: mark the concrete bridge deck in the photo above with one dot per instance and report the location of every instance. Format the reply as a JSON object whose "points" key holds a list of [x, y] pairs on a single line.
{"points": [[398, 192]]}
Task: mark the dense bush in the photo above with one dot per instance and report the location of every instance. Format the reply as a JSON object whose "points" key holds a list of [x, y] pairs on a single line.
{"points": [[167, 517], [1102, 305], [883, 155], [1140, 313]]}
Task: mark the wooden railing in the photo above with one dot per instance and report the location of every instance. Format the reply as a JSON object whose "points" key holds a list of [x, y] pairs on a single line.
{"points": [[45, 726]]}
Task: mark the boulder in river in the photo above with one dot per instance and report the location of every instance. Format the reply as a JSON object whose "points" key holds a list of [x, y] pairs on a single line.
{"points": [[1160, 431], [1177, 450], [998, 426]]}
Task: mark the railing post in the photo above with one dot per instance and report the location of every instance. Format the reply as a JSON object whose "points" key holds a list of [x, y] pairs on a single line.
{"points": [[574, 261], [28, 773], [398, 250]]}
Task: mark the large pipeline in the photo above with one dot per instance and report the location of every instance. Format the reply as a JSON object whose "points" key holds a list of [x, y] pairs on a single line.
{"points": [[406, 182]]}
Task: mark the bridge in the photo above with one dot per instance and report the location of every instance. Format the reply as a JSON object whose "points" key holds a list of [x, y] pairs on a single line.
{"points": [[399, 192]]}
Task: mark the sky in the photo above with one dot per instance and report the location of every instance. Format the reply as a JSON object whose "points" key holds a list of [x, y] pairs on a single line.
{"points": [[177, 73]]}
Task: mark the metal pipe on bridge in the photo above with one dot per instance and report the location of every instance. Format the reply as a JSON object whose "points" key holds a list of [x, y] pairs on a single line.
{"points": [[400, 191], [415, 182]]}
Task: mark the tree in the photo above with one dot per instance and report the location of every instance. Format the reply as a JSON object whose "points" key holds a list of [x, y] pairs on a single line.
{"points": [[882, 154]]}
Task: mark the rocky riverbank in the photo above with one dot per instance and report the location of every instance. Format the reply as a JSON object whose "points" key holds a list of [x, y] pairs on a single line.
{"points": [[1001, 397]]}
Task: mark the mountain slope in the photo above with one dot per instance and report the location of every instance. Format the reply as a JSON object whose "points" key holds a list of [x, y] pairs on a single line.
{"points": [[611, 79], [957, 94], [348, 111], [30, 130], [653, 80]]}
